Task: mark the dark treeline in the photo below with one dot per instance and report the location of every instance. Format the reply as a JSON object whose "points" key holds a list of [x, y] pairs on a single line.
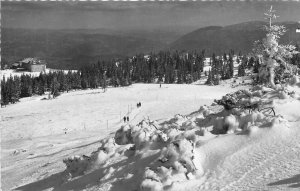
{"points": [[222, 67], [15, 87], [163, 67]]}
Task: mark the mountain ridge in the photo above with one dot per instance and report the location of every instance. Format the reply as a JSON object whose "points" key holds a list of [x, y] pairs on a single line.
{"points": [[239, 37]]}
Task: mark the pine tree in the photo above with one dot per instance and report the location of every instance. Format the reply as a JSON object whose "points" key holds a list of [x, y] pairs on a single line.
{"points": [[271, 54], [55, 87], [4, 91], [26, 86], [62, 80], [35, 85], [94, 82], [104, 84], [231, 67], [17, 88], [42, 84], [241, 70], [256, 66], [77, 80], [295, 60], [41, 89], [250, 63], [209, 80], [217, 79]]}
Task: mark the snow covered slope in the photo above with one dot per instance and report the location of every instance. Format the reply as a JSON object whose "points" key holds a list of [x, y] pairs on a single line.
{"points": [[260, 151], [33, 139]]}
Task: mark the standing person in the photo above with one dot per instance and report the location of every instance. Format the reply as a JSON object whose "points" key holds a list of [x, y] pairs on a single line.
{"points": [[127, 118], [124, 118], [140, 104]]}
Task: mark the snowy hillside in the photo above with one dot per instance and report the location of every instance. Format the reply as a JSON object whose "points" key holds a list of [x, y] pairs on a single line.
{"points": [[260, 151], [154, 151], [32, 131]]}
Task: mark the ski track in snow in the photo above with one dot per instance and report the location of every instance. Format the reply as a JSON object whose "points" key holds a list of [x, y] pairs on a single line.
{"points": [[259, 166]]}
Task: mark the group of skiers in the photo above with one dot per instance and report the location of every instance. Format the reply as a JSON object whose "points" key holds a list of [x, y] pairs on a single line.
{"points": [[126, 118]]}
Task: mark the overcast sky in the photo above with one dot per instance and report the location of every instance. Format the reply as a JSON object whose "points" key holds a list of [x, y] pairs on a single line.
{"points": [[139, 15]]}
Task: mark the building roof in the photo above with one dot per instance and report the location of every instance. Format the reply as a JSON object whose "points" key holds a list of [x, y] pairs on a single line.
{"points": [[33, 61], [28, 60], [16, 64]]}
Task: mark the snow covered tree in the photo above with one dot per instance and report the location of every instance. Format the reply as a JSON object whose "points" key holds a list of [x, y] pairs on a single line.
{"points": [[216, 79], [242, 67], [103, 82], [296, 57], [4, 92], [26, 86], [251, 62], [231, 67], [270, 53], [241, 70], [209, 80], [62, 80]]}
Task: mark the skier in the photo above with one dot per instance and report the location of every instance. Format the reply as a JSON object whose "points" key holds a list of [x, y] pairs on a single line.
{"points": [[124, 118], [127, 118], [160, 85]]}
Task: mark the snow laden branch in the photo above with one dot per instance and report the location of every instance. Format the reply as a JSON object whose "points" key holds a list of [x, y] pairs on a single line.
{"points": [[271, 54]]}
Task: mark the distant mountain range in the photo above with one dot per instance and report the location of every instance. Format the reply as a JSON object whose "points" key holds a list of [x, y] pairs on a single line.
{"points": [[239, 37], [71, 48]]}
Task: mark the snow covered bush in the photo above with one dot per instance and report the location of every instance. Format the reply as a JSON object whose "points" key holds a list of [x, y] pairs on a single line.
{"points": [[123, 135], [248, 108], [180, 155], [243, 99], [205, 110], [294, 80], [76, 165], [178, 161], [141, 135], [231, 123], [172, 133], [108, 145], [151, 181]]}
